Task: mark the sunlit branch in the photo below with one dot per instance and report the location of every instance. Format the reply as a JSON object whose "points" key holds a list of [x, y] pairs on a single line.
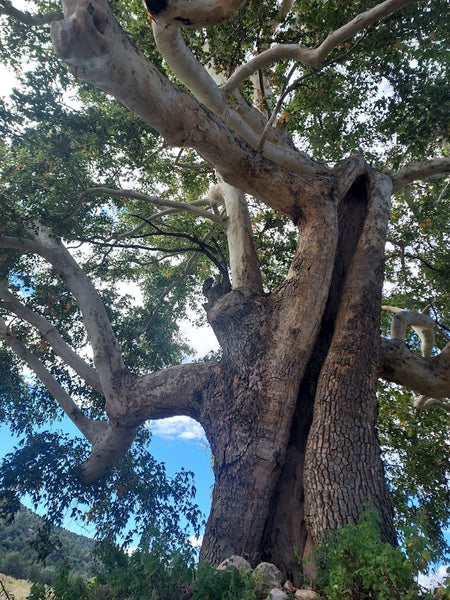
{"points": [[193, 74], [160, 202], [425, 169], [313, 57], [50, 334], [104, 59], [7, 8], [244, 265], [88, 427]]}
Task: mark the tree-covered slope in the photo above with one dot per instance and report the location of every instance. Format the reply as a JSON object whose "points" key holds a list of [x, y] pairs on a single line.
{"points": [[18, 552]]}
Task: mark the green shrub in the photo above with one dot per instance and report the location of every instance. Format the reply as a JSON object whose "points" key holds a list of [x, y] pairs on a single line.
{"points": [[355, 564], [227, 584]]}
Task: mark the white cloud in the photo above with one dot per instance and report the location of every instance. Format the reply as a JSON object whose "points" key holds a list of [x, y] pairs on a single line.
{"points": [[201, 339], [195, 542], [434, 578], [178, 428]]}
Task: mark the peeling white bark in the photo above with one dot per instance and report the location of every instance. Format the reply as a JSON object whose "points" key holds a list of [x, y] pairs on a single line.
{"points": [[244, 266], [98, 51], [197, 79]]}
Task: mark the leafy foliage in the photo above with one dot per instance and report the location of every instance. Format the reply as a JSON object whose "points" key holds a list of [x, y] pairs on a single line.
{"points": [[355, 563], [18, 556], [46, 467]]}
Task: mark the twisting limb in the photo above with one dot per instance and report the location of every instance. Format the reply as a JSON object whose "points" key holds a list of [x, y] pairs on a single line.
{"points": [[421, 170], [89, 428], [423, 325], [424, 402], [165, 393], [50, 334], [179, 206], [314, 57], [7, 8]]}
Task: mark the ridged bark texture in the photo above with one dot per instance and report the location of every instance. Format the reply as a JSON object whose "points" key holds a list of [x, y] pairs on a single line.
{"points": [[343, 465]]}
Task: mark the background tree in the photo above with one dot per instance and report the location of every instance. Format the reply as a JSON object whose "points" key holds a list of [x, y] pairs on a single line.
{"points": [[286, 128]]}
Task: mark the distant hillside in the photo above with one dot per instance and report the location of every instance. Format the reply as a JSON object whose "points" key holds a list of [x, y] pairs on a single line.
{"points": [[18, 558]]}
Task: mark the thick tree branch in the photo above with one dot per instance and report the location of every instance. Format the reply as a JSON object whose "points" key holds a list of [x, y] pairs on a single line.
{"points": [[50, 334], [314, 57], [421, 170], [98, 51], [166, 393], [193, 74], [88, 427], [423, 325], [107, 356], [7, 8], [429, 376]]}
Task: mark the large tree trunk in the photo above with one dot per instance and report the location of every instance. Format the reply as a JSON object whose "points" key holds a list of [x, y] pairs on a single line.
{"points": [[296, 452]]}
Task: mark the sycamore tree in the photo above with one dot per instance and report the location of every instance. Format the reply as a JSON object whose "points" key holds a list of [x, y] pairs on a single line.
{"points": [[268, 164]]}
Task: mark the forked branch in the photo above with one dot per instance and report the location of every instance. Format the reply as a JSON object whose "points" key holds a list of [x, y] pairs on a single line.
{"points": [[50, 334], [423, 325], [107, 355], [314, 57]]}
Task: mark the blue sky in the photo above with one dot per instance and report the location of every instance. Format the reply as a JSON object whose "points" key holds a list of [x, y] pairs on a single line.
{"points": [[177, 442]]}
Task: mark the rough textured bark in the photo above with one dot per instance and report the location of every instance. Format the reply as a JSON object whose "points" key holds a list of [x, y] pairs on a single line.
{"points": [[267, 500], [343, 464]]}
